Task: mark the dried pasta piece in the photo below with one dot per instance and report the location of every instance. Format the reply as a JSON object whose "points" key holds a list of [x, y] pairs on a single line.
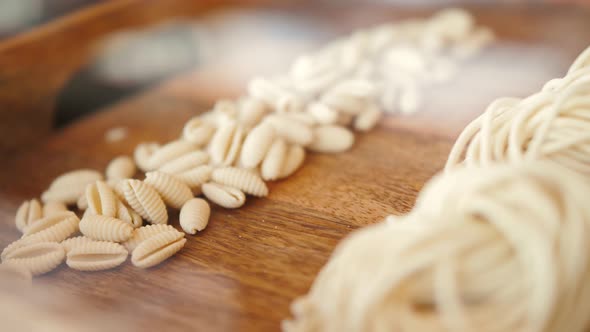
{"points": [[350, 96], [129, 216], [52, 208], [101, 199], [96, 256], [274, 160], [194, 215], [257, 144], [251, 111], [16, 274], [103, 228], [37, 258], [322, 113], [157, 249], [226, 144], [143, 233], [28, 212], [185, 162], [195, 178], [173, 191], [55, 226], [121, 168], [68, 187], [142, 154], [198, 131], [227, 197], [169, 152], [367, 119], [243, 179], [294, 160], [331, 139], [145, 201], [73, 242], [291, 129]]}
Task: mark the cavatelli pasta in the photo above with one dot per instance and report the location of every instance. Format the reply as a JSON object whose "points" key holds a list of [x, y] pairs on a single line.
{"points": [[243, 179], [143, 233], [291, 129], [225, 145], [367, 119], [257, 144], [129, 216], [227, 197], [96, 256], [82, 203], [101, 199], [157, 248], [142, 154], [28, 212], [331, 139], [55, 226], [173, 191], [52, 208], [195, 178], [68, 187], [37, 258], [103, 228], [169, 152], [73, 242], [274, 160], [145, 201], [323, 114], [198, 131], [194, 215], [294, 159], [121, 168], [251, 111], [185, 162]]}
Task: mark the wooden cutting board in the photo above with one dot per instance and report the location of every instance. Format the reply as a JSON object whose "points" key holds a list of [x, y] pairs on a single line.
{"points": [[243, 271]]}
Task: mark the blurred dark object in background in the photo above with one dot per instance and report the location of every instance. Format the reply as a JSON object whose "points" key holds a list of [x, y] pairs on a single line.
{"points": [[20, 15]]}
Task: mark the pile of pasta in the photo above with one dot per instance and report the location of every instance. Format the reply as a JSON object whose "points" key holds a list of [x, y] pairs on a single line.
{"points": [[230, 151], [497, 242]]}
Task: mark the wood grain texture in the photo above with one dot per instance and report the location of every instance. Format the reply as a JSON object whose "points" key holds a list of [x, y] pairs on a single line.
{"points": [[244, 269]]}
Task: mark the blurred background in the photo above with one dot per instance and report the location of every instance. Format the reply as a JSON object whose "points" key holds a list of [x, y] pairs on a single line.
{"points": [[218, 45]]}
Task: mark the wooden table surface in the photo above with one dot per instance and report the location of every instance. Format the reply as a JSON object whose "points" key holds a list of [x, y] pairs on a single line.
{"points": [[242, 272]]}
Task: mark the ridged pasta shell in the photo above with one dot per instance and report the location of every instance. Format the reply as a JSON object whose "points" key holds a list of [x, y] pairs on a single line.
{"points": [[225, 145], [68, 187], [103, 228], [274, 160], [145, 201], [73, 242], [121, 168], [28, 212], [157, 249], [169, 152], [52, 208], [243, 179], [294, 160], [142, 154], [38, 258], [143, 233], [227, 197], [101, 199], [323, 114], [129, 216], [15, 274], [173, 191], [185, 162], [251, 112], [256, 145], [198, 131], [367, 119], [331, 139], [292, 130], [194, 215], [61, 223], [195, 178], [96, 256]]}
